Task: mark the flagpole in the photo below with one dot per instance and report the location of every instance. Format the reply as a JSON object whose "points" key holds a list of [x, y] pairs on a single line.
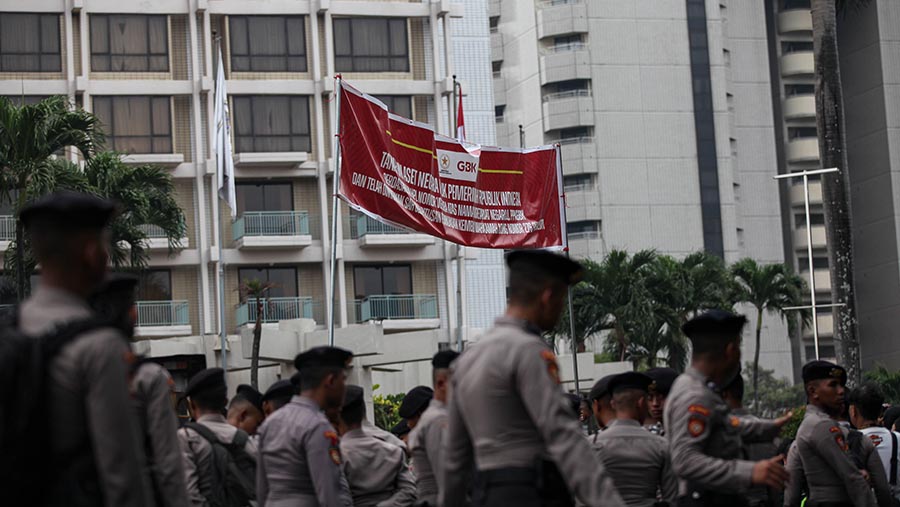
{"points": [[334, 207], [223, 336], [460, 250], [571, 303]]}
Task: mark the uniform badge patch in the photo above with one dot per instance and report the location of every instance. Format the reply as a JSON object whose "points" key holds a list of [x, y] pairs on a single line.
{"points": [[734, 421], [552, 367], [699, 409], [332, 437], [696, 426], [335, 455], [875, 439], [834, 429], [841, 443]]}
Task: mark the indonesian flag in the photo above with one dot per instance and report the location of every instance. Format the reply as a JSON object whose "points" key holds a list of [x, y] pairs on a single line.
{"points": [[222, 142], [460, 123]]}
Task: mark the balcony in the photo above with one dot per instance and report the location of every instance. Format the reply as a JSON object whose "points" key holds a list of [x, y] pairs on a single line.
{"points": [[565, 62], [818, 237], [579, 156], [374, 234], [157, 240], [276, 309], [398, 312], [569, 109], [815, 193], [7, 231], [291, 159], [798, 64], [586, 245], [168, 160], [826, 326], [504, 132], [795, 20], [499, 90], [496, 46], [804, 149], [822, 278], [558, 17], [493, 8], [272, 229], [800, 107], [582, 203], [162, 318]]}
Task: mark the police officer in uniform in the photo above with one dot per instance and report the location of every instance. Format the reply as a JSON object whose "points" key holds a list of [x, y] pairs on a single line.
{"points": [[376, 471], [662, 378], [637, 460], [414, 404], [704, 436], [601, 403], [245, 411], [300, 456], [425, 440], [277, 395], [821, 455], [507, 418], [96, 454]]}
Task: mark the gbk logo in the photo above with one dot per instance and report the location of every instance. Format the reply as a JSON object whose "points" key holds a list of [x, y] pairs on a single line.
{"points": [[445, 161], [457, 165]]}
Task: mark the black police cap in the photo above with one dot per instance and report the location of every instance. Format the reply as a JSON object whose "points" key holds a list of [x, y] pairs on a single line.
{"points": [[415, 401], [818, 370], [526, 262], [353, 396], [323, 357], [717, 322], [442, 359], [208, 381], [69, 209], [601, 388], [118, 283], [280, 389], [662, 380], [400, 429], [295, 380], [250, 394], [630, 380]]}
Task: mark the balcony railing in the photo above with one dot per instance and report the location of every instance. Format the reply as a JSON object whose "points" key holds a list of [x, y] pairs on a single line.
{"points": [[276, 309], [7, 227], [367, 225], [585, 235], [565, 48], [271, 223], [553, 3], [566, 95], [153, 231], [162, 313], [576, 140], [406, 306]]}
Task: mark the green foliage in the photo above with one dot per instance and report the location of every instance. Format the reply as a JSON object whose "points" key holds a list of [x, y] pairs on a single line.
{"points": [[387, 408], [789, 430], [776, 395], [888, 380]]}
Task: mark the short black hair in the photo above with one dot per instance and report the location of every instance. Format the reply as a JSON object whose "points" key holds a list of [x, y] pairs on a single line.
{"points": [[212, 400], [354, 413], [868, 399], [312, 377], [55, 243], [526, 286], [711, 343]]}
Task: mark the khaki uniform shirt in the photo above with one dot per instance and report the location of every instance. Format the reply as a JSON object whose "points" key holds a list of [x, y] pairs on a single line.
{"points": [[300, 459], [196, 454], [88, 400], [507, 410], [384, 436], [425, 442], [705, 438], [638, 461], [376, 472], [151, 394]]}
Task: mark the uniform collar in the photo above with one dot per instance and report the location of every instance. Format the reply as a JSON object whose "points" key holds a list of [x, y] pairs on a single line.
{"points": [[217, 418], [354, 434], [703, 379], [306, 401], [522, 324], [624, 423], [435, 403], [56, 296]]}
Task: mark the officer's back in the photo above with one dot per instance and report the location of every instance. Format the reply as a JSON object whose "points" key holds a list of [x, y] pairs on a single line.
{"points": [[96, 455]]}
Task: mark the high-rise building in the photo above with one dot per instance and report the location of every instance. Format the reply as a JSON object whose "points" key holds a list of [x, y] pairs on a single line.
{"points": [[663, 110], [146, 69]]}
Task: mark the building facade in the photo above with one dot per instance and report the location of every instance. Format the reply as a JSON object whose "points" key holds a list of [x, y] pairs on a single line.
{"points": [[147, 69]]}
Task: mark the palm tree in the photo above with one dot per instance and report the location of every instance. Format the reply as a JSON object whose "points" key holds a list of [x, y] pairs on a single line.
{"points": [[835, 186], [769, 288], [254, 291], [29, 136]]}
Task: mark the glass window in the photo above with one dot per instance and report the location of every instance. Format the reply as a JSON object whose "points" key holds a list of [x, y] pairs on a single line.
{"points": [[795, 4], [26, 100], [583, 227], [577, 181], [136, 124], [283, 280], [814, 219], [29, 42], [371, 45], [794, 46], [155, 285], [271, 123], [129, 43], [818, 262], [799, 89], [264, 197], [798, 132], [267, 43], [397, 104], [389, 279]]}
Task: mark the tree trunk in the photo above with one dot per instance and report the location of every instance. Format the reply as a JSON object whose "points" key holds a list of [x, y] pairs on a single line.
{"points": [[257, 336], [759, 315], [835, 186], [620, 339]]}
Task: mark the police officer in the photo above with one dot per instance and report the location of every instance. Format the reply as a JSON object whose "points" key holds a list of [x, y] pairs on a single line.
{"points": [[821, 454], [507, 418], [704, 437], [300, 456], [245, 410], [414, 404], [207, 395], [601, 403], [662, 378], [376, 471], [425, 440], [637, 460], [88, 378], [278, 395]]}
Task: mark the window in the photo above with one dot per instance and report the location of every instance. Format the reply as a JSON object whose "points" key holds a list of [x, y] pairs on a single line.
{"points": [[264, 197], [382, 280], [136, 124], [29, 43], [794, 46], [577, 181], [583, 227], [575, 133], [795, 4], [818, 263], [500, 114], [155, 285], [129, 43], [825, 352], [371, 45], [799, 89], [397, 104], [799, 132], [283, 280], [271, 123], [814, 219], [26, 100], [267, 43]]}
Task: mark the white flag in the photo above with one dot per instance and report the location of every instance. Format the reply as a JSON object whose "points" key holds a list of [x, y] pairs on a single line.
{"points": [[224, 154]]}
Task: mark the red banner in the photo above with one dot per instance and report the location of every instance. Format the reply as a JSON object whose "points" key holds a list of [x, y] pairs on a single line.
{"points": [[402, 173]]}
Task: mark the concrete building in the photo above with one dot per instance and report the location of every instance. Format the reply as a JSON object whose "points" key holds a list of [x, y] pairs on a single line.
{"points": [[146, 69], [663, 109]]}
